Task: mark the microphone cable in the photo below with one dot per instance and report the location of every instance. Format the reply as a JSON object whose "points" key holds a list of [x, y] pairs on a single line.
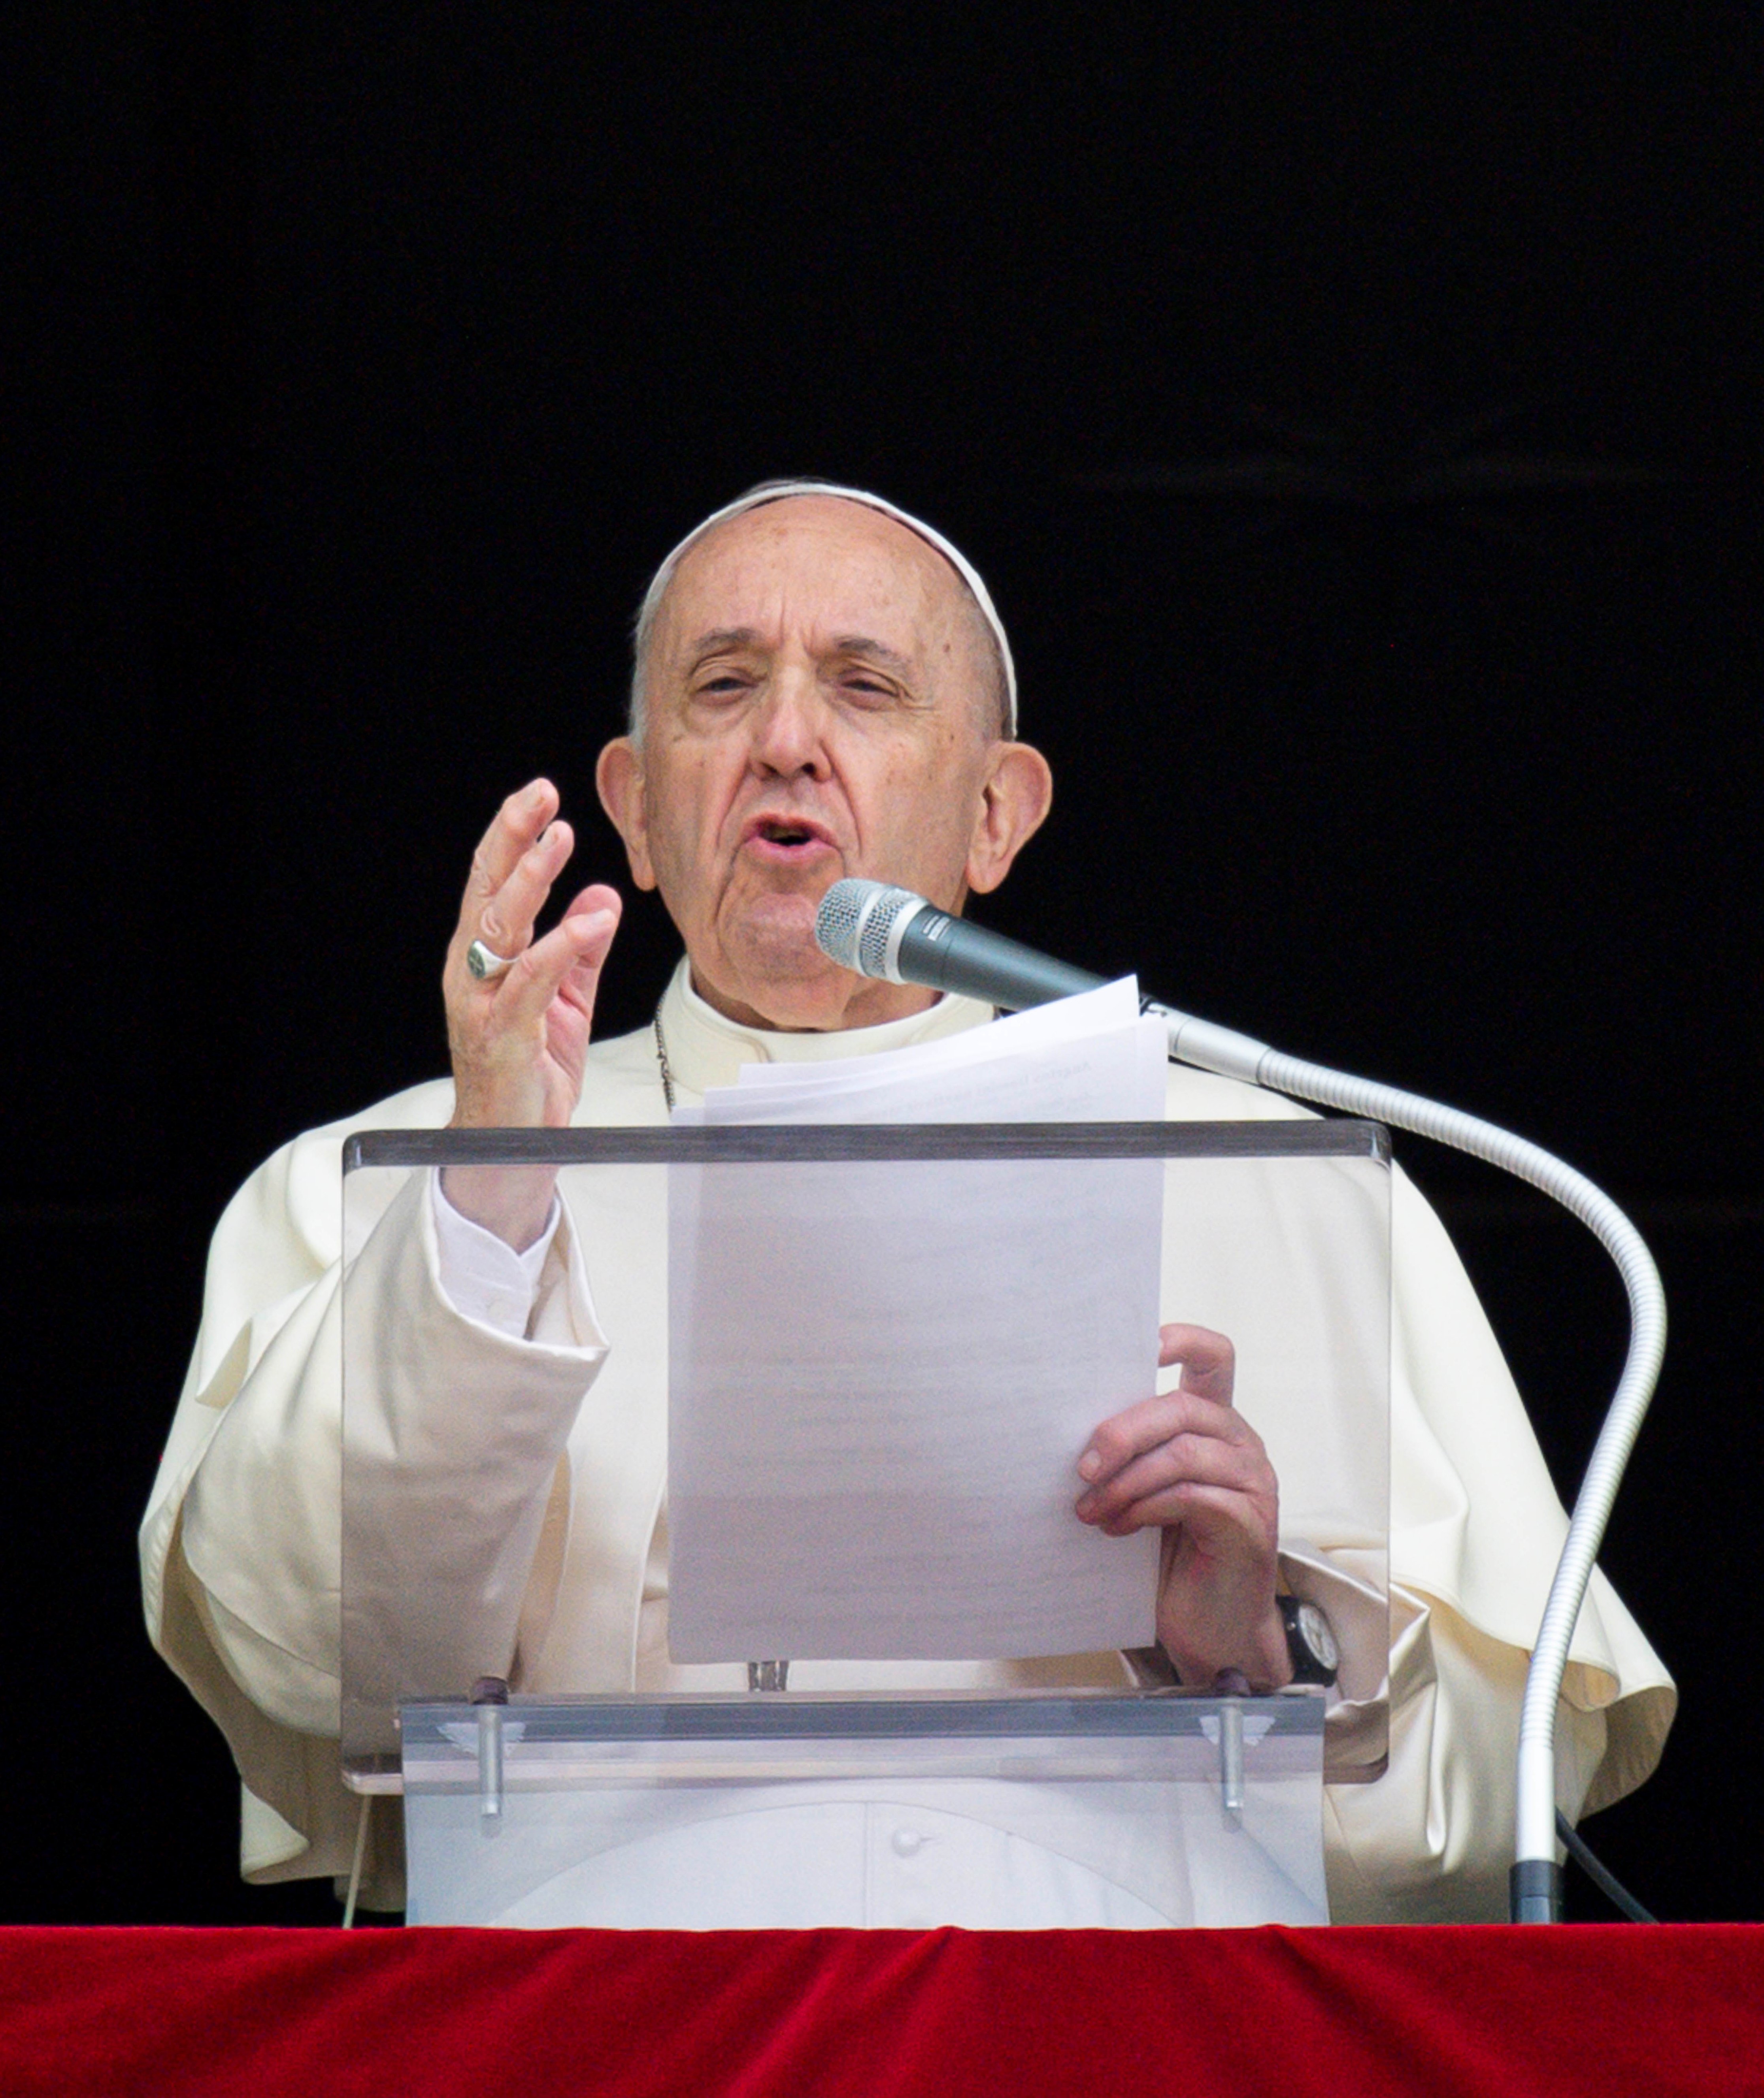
{"points": [[1602, 1877]]}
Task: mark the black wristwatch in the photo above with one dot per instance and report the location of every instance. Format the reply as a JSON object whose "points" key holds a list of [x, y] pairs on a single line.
{"points": [[1309, 1643]]}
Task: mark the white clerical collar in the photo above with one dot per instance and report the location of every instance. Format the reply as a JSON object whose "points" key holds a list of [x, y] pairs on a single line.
{"points": [[705, 1048]]}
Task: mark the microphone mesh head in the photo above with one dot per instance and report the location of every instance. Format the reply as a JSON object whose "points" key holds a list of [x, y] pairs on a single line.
{"points": [[853, 924]]}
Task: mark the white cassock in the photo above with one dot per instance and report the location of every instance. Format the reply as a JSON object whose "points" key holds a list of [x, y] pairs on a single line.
{"points": [[241, 1548]]}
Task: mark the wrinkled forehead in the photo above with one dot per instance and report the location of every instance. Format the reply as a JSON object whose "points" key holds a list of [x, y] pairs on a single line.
{"points": [[825, 569]]}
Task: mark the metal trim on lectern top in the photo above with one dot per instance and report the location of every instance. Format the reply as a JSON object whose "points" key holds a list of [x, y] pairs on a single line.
{"points": [[833, 1143]]}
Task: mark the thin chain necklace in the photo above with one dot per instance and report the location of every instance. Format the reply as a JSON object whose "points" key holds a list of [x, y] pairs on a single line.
{"points": [[661, 1058]]}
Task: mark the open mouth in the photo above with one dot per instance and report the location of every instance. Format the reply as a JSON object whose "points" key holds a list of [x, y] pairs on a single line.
{"points": [[786, 836]]}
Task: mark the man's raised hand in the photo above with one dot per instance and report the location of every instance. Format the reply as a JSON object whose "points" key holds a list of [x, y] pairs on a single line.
{"points": [[1188, 1463], [519, 1041]]}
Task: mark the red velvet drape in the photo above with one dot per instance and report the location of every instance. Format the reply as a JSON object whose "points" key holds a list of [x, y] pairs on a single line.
{"points": [[403, 2014]]}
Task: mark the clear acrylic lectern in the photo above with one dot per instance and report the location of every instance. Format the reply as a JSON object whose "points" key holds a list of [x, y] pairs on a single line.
{"points": [[713, 1361]]}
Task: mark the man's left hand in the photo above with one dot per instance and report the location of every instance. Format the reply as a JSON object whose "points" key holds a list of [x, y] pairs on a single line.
{"points": [[1188, 1462]]}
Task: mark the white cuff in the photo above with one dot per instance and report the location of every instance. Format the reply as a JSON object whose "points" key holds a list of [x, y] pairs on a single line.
{"points": [[483, 1279]]}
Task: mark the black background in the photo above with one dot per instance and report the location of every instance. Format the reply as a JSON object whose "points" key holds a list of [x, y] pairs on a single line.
{"points": [[1353, 411]]}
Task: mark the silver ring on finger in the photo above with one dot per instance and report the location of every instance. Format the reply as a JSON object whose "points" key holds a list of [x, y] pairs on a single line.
{"points": [[484, 964]]}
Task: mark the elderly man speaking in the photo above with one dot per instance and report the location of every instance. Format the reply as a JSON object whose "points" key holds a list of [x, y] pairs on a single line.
{"points": [[822, 688]]}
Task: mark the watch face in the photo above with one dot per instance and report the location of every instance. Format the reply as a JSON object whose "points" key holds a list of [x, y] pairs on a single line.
{"points": [[1314, 1629]]}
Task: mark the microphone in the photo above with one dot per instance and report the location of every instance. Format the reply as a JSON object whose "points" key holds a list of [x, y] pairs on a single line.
{"points": [[881, 930]]}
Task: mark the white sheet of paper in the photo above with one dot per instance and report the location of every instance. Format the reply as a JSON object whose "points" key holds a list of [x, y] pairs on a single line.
{"points": [[882, 1377]]}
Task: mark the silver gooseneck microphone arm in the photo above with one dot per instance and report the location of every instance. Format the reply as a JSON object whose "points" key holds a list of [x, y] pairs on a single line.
{"points": [[890, 932], [894, 934], [1536, 1886]]}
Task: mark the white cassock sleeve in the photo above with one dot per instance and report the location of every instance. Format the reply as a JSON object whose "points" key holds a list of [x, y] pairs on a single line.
{"points": [[241, 1547], [484, 1279]]}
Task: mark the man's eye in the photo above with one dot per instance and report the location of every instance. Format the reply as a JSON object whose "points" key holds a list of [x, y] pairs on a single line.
{"points": [[725, 681]]}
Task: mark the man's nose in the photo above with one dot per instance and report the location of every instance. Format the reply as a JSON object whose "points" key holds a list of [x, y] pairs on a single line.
{"points": [[790, 728]]}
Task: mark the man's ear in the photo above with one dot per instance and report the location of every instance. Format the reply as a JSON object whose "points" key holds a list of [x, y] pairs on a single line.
{"points": [[1013, 805], [619, 775]]}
